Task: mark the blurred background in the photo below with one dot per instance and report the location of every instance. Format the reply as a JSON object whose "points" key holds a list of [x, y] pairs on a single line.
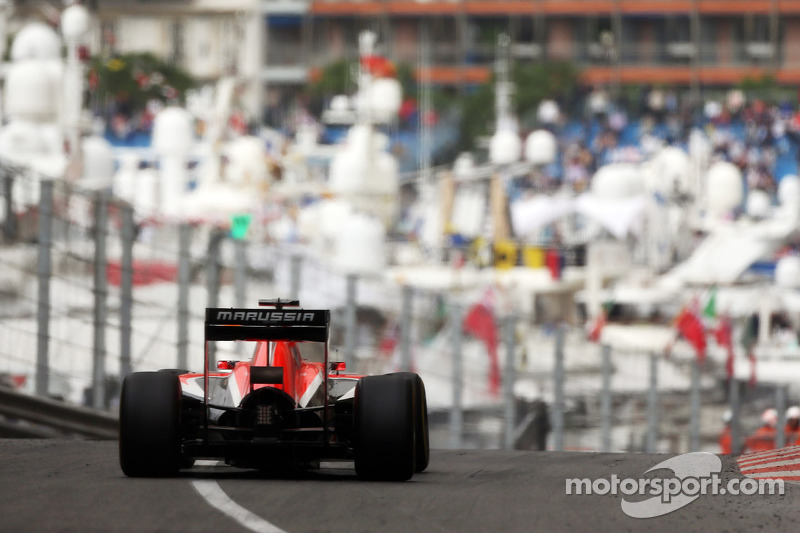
{"points": [[579, 221]]}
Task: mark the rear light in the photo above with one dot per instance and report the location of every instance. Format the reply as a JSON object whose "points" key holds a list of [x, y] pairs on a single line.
{"points": [[265, 415], [226, 365], [338, 366]]}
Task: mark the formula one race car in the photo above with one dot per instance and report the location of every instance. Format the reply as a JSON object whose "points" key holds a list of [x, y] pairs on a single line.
{"points": [[278, 411]]}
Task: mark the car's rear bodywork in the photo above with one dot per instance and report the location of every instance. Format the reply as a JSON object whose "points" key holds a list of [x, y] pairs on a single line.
{"points": [[278, 410]]}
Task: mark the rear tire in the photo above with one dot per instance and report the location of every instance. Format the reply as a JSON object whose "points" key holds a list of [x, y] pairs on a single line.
{"points": [[421, 439], [423, 450], [384, 440], [149, 421]]}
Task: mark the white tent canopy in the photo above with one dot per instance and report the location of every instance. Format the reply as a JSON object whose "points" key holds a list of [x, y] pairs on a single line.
{"points": [[620, 216]]}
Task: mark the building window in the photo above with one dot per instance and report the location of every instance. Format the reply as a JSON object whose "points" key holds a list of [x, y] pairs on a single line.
{"points": [[601, 45], [758, 38], [284, 40], [757, 28], [481, 38], [525, 40], [678, 44]]}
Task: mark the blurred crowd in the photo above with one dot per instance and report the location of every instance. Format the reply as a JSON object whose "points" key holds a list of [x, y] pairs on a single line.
{"points": [[759, 136]]}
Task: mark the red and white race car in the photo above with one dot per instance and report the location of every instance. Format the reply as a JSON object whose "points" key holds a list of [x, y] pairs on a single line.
{"points": [[279, 410]]}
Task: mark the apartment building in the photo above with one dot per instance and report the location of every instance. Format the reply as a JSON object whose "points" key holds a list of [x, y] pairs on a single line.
{"points": [[706, 42], [210, 39], [279, 45]]}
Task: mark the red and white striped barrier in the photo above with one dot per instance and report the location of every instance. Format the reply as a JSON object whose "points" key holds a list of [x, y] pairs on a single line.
{"points": [[783, 463]]}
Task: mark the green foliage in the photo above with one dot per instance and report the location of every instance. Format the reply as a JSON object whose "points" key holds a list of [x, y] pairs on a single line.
{"points": [[759, 83], [336, 78], [141, 77], [534, 83], [477, 115], [407, 78], [766, 88], [489, 31], [340, 78]]}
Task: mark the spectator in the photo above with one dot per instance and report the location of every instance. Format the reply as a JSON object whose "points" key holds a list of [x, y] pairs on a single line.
{"points": [[763, 439]]}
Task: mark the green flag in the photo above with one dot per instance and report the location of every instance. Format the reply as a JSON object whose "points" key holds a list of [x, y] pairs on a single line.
{"points": [[239, 226], [710, 310], [749, 336]]}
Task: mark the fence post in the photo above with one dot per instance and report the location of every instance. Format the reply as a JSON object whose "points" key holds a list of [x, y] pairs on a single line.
{"points": [[780, 406], [240, 272], [456, 412], [295, 266], [605, 400], [509, 440], [240, 280], [350, 319], [10, 223], [184, 280], [405, 328], [694, 403], [126, 290], [44, 271], [213, 282], [558, 386], [100, 292], [652, 405], [736, 427]]}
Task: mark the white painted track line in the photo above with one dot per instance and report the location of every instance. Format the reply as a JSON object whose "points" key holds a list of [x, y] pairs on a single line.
{"points": [[216, 497]]}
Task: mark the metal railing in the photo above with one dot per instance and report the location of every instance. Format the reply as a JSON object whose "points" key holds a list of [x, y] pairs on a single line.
{"points": [[42, 414], [91, 292]]}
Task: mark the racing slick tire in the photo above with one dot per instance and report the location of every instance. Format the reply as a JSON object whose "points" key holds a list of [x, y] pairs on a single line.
{"points": [[384, 439], [149, 419], [421, 439]]}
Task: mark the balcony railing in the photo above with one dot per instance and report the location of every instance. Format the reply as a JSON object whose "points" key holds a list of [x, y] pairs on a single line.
{"points": [[586, 54], [554, 6], [285, 7], [285, 54]]}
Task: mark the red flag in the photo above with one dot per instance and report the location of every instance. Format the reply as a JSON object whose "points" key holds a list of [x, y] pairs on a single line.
{"points": [[724, 336], [752, 356], [389, 340], [596, 327], [691, 328], [479, 321], [378, 66]]}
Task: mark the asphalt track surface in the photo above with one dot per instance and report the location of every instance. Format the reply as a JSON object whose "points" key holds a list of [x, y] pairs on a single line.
{"points": [[76, 485]]}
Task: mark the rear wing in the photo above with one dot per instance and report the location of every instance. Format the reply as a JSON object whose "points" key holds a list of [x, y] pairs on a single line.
{"points": [[276, 323], [232, 324]]}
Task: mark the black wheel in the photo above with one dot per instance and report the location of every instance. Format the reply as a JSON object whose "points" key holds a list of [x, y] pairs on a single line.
{"points": [[384, 440], [149, 416], [421, 440]]}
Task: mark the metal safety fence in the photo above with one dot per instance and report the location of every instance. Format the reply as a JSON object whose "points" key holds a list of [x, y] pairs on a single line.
{"points": [[91, 291]]}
